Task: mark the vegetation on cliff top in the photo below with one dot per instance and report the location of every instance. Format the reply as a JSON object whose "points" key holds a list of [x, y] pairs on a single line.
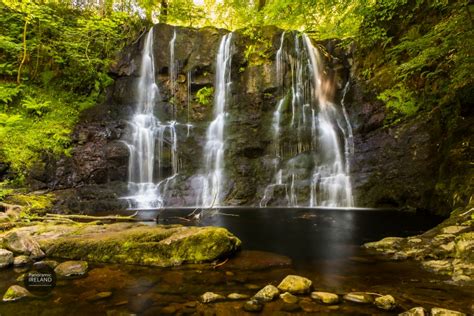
{"points": [[55, 55]]}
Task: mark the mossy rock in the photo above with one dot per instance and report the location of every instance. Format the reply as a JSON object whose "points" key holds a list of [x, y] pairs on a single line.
{"points": [[137, 244]]}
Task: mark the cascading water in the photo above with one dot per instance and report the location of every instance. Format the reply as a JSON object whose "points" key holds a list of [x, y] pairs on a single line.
{"points": [[311, 139], [213, 179], [150, 140]]}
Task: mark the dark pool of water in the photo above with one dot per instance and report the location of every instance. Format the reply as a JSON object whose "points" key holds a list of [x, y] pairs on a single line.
{"points": [[323, 244]]}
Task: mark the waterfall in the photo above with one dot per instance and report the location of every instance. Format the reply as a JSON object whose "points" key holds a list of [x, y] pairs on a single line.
{"points": [[213, 180], [313, 136], [150, 140]]}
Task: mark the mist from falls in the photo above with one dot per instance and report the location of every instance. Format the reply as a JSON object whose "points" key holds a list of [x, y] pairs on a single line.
{"points": [[307, 129], [150, 141]]}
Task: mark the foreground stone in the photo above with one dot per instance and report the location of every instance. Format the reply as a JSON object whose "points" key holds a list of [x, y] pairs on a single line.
{"points": [[237, 296], [15, 293], [129, 243], [253, 306], [437, 311], [71, 269], [6, 258], [21, 260], [415, 311], [359, 297], [386, 302], [447, 249], [325, 297], [21, 242], [267, 294], [210, 297], [289, 298], [295, 284]]}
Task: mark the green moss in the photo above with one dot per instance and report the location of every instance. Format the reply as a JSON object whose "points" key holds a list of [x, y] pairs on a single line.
{"points": [[204, 95]]}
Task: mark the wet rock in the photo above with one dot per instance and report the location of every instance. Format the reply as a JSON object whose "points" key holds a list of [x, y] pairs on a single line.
{"points": [[439, 266], [6, 258], [237, 296], [437, 311], [359, 297], [386, 302], [325, 297], [210, 297], [132, 243], [415, 240], [415, 311], [21, 260], [387, 243], [443, 238], [463, 271], [253, 306], [465, 246], [267, 294], [454, 229], [71, 269], [449, 247], [21, 242], [295, 284], [15, 293], [289, 298], [50, 263]]}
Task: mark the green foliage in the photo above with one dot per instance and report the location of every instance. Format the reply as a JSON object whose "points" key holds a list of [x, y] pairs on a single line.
{"points": [[399, 100], [5, 190], [204, 95], [419, 54], [8, 91]]}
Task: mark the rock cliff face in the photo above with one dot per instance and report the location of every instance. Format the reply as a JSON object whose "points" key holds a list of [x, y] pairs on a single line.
{"points": [[407, 165]]}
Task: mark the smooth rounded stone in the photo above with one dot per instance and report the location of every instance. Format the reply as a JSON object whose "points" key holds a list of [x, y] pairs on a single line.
{"points": [[443, 237], [21, 260], [438, 266], [49, 263], [237, 296], [22, 243], [253, 306], [437, 311], [267, 294], [455, 229], [21, 278], [386, 302], [6, 258], [325, 297], [449, 247], [289, 298], [359, 297], [71, 269], [210, 297], [15, 293], [295, 284], [415, 311]]}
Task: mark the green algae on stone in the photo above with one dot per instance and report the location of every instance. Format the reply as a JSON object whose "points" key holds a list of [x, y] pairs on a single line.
{"points": [[133, 243]]}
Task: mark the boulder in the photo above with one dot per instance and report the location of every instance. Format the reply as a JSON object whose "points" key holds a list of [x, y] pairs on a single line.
{"points": [[386, 302], [415, 311], [22, 243], [210, 297], [325, 297], [71, 269], [132, 243], [267, 294], [295, 284], [438, 266], [21, 260], [15, 293], [387, 243], [6, 258]]}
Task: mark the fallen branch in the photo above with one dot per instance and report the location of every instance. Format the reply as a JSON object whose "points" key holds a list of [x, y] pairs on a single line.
{"points": [[118, 218]]}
